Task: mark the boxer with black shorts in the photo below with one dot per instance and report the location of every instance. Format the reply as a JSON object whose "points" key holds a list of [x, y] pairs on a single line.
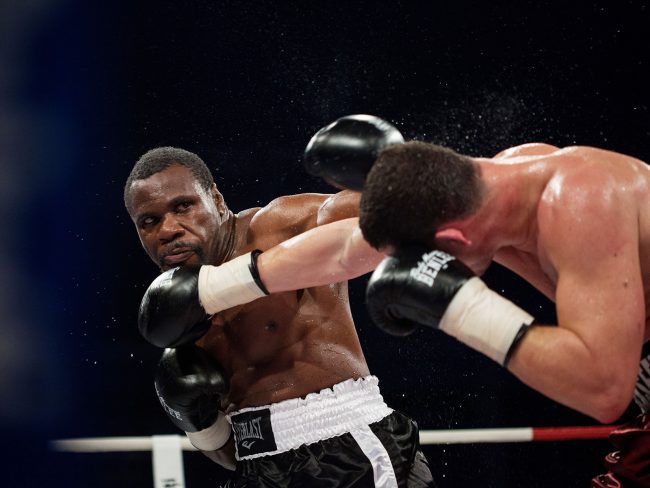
{"points": [[281, 384], [573, 222]]}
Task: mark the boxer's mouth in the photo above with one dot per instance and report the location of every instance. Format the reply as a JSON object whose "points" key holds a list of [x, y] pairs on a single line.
{"points": [[178, 257]]}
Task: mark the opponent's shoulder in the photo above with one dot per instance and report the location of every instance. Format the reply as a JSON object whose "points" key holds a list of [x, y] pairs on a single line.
{"points": [[609, 160], [587, 201], [528, 149], [582, 186], [592, 171]]}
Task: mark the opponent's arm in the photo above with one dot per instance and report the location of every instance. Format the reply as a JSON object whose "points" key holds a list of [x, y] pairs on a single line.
{"points": [[323, 255], [589, 362], [326, 254]]}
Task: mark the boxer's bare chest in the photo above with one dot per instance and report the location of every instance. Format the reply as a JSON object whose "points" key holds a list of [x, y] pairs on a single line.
{"points": [[285, 345]]}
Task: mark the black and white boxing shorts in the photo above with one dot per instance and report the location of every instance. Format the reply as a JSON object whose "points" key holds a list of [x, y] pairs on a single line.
{"points": [[344, 436]]}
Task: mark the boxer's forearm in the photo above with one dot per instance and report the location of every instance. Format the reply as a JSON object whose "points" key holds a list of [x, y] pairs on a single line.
{"points": [[323, 255], [556, 362]]}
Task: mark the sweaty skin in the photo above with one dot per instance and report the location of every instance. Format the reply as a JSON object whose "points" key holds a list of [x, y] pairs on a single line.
{"points": [[575, 223], [278, 347]]}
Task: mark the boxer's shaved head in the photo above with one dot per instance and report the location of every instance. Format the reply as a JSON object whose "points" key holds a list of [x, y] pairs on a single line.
{"points": [[412, 189], [161, 158]]}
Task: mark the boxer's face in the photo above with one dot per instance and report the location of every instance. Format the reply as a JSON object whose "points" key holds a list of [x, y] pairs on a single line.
{"points": [[177, 220]]}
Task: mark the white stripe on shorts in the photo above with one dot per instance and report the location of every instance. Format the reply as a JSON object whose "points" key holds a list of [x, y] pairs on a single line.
{"points": [[376, 453]]}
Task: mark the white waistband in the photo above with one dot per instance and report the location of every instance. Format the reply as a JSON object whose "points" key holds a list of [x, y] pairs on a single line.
{"points": [[331, 412]]}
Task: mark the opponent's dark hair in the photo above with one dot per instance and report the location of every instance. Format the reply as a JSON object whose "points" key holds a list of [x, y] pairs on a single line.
{"points": [[412, 189], [161, 158]]}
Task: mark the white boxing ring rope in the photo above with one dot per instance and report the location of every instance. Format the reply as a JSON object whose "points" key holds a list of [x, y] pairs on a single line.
{"points": [[167, 450], [427, 437]]}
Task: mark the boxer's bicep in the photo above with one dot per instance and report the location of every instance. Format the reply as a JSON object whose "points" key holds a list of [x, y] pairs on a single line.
{"points": [[589, 362], [601, 304], [599, 293], [605, 306]]}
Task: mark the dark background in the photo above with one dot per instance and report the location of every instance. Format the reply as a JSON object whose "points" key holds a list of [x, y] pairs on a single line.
{"points": [[86, 87]]}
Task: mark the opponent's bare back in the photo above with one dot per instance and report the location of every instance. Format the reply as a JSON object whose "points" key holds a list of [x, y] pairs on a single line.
{"points": [[576, 188]]}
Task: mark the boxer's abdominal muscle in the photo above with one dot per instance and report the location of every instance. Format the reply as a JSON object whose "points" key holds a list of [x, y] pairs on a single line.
{"points": [[286, 346]]}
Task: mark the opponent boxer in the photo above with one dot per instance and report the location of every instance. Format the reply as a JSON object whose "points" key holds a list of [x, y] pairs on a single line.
{"points": [[303, 408], [574, 222], [570, 221]]}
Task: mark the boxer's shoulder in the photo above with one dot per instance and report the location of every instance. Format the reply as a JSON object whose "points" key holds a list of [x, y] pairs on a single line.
{"points": [[621, 169], [586, 202], [342, 205], [589, 172], [580, 190], [287, 216], [528, 149]]}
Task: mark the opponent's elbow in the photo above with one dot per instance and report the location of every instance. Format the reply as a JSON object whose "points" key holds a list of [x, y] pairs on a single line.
{"points": [[609, 411], [360, 267], [612, 400], [358, 258]]}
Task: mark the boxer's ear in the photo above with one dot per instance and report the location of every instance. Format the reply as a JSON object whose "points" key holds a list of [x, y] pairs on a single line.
{"points": [[456, 236], [218, 199]]}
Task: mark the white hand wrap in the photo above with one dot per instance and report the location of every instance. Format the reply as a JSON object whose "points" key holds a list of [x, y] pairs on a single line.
{"points": [[228, 285], [484, 320], [212, 438]]}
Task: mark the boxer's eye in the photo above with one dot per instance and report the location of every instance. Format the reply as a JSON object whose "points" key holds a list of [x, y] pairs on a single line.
{"points": [[147, 221], [183, 206]]}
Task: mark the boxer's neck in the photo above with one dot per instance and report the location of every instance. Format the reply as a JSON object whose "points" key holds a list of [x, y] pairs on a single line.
{"points": [[225, 247], [235, 237], [507, 216]]}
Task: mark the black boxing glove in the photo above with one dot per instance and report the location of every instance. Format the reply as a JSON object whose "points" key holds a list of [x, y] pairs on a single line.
{"points": [[343, 152], [432, 288], [190, 385], [176, 307], [170, 312]]}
